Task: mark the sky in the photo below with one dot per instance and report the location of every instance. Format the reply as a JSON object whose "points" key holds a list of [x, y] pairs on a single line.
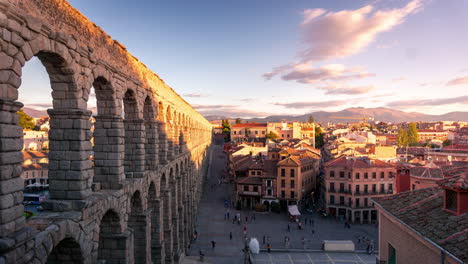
{"points": [[254, 58]]}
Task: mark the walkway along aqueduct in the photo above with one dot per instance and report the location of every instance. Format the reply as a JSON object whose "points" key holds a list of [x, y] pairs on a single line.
{"points": [[132, 196]]}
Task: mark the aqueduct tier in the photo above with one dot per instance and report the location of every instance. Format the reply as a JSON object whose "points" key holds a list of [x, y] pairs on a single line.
{"points": [[126, 191]]}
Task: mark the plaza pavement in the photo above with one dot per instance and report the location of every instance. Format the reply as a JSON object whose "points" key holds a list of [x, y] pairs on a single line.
{"points": [[212, 226]]}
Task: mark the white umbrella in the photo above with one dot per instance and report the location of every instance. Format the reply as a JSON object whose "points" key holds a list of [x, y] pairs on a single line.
{"points": [[254, 246]]}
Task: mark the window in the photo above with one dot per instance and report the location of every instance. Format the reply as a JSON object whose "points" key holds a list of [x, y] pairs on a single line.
{"points": [[292, 183], [246, 188], [292, 194], [342, 187], [252, 172], [235, 132], [374, 175], [341, 174], [332, 199], [283, 194], [391, 254], [349, 187], [357, 189], [366, 188], [350, 202], [382, 175], [256, 132], [451, 200], [341, 200], [382, 188], [255, 188], [283, 183], [413, 187], [332, 173], [292, 172], [283, 172], [366, 201], [269, 192], [332, 186], [259, 172], [374, 188], [268, 183], [390, 187], [358, 176], [349, 175], [366, 175], [357, 202], [263, 132]]}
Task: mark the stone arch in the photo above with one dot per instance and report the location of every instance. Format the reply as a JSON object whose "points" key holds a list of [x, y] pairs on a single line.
{"points": [[151, 134], [134, 162], [174, 186], [110, 238], [138, 224], [165, 196], [157, 227], [67, 251]]}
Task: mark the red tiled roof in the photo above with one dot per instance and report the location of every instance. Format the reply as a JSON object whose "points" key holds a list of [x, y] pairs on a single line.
{"points": [[37, 166], [431, 131], [459, 182], [423, 211], [355, 162], [250, 180], [34, 155], [247, 125]]}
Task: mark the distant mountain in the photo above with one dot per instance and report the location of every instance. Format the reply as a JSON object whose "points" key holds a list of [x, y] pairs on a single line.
{"points": [[34, 112], [355, 114]]}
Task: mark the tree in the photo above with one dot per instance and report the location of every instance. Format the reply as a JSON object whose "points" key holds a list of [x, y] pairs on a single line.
{"points": [[226, 130], [25, 121], [238, 120], [402, 138], [413, 137], [271, 135], [318, 137], [311, 119], [447, 142]]}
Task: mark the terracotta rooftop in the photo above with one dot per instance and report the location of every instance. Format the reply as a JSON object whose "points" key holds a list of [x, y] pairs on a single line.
{"points": [[459, 182], [247, 125], [422, 210], [250, 180], [355, 162], [37, 166], [34, 155]]}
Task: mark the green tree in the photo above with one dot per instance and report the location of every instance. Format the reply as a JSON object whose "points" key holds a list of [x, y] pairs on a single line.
{"points": [[238, 120], [25, 121], [402, 138], [271, 135], [318, 137], [413, 137], [226, 130], [447, 142], [311, 119]]}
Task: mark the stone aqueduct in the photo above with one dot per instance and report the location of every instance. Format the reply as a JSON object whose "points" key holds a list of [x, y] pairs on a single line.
{"points": [[132, 196]]}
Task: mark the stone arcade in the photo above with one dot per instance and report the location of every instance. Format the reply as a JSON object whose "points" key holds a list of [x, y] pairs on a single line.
{"points": [[132, 196]]}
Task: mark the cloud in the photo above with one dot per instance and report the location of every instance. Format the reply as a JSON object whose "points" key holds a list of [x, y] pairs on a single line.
{"points": [[313, 104], [194, 95], [331, 35], [429, 102], [247, 100], [38, 106], [306, 73], [340, 34], [202, 107], [399, 79], [344, 89], [458, 81], [234, 112]]}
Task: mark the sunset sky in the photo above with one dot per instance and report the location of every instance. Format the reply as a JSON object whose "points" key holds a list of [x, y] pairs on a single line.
{"points": [[253, 58]]}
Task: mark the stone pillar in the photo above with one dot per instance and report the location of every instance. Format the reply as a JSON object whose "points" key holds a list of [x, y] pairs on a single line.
{"points": [[116, 248], [181, 212], [182, 143], [134, 148], [361, 218], [70, 166], [157, 232], [151, 146], [162, 143], [175, 219], [167, 223], [109, 151], [11, 159], [170, 141], [140, 225]]}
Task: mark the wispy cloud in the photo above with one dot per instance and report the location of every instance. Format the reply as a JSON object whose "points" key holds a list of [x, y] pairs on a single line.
{"points": [[429, 102], [458, 81], [39, 106], [313, 104], [247, 100], [345, 89], [202, 107], [194, 95], [234, 112], [399, 79]]}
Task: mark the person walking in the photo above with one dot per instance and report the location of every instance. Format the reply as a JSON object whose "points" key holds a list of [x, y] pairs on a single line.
{"points": [[289, 228], [230, 235], [245, 230], [228, 215], [213, 244], [303, 243], [268, 247]]}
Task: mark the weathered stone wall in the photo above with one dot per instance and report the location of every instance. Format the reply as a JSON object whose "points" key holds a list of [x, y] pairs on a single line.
{"points": [[132, 196]]}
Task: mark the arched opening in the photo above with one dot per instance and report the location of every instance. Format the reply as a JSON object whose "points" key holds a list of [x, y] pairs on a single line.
{"points": [[175, 209], [134, 137], [167, 219], [155, 205], [67, 251], [137, 223], [170, 133], [106, 140], [162, 148], [151, 131], [111, 243]]}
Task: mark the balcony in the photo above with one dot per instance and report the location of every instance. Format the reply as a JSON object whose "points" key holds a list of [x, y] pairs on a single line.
{"points": [[332, 190], [250, 193]]}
